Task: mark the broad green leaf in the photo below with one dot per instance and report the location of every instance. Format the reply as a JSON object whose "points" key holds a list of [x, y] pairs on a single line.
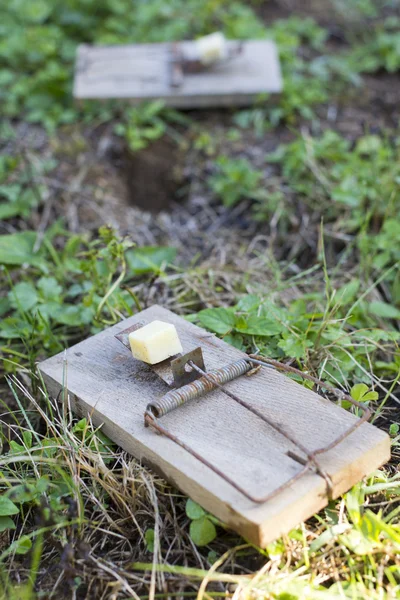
{"points": [[248, 303], [10, 192], [394, 429], [368, 144], [149, 259], [23, 545], [16, 448], [80, 426], [9, 209], [358, 391], [235, 340], [48, 448], [17, 249], [35, 11], [6, 523], [294, 346], [361, 393], [4, 305], [24, 492], [194, 510], [50, 288], [74, 316], [261, 326], [27, 437], [23, 296], [348, 292], [220, 320], [7, 507], [14, 328], [382, 309], [202, 531]]}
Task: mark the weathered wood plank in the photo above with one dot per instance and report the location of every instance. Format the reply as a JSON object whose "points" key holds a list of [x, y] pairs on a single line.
{"points": [[142, 72], [104, 380]]}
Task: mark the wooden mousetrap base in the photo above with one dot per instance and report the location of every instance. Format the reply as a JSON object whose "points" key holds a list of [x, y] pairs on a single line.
{"points": [[143, 72], [104, 380]]}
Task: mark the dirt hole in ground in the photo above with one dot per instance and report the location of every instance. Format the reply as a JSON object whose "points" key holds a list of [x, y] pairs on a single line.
{"points": [[154, 176]]}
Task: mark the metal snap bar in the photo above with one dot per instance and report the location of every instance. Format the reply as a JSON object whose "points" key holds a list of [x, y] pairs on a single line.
{"points": [[216, 379]]}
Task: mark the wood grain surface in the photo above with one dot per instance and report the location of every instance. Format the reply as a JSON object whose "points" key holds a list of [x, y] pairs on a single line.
{"points": [[104, 380], [142, 72]]}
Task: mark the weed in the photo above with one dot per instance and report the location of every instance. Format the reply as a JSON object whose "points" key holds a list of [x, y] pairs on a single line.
{"points": [[69, 292], [38, 45], [235, 180], [77, 515]]}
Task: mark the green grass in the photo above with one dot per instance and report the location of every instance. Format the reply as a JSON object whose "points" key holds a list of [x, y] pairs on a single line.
{"points": [[304, 267]]}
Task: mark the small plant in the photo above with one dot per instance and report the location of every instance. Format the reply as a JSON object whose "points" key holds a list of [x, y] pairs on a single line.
{"points": [[380, 50], [38, 42], [70, 292], [307, 331], [235, 180], [202, 527], [142, 125], [19, 192]]}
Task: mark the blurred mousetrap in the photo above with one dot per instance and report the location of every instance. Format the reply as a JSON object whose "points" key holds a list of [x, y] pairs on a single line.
{"points": [[252, 446], [207, 72]]}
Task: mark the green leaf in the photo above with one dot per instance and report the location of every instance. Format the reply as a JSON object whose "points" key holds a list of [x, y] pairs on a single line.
{"points": [[17, 249], [294, 346], [36, 11], [235, 340], [23, 545], [149, 259], [261, 326], [4, 306], [22, 493], [248, 303], [368, 144], [80, 426], [348, 292], [382, 309], [202, 531], [23, 296], [50, 288], [220, 320], [6, 523], [16, 448], [74, 316], [149, 539], [394, 429], [194, 510], [27, 437], [7, 507], [360, 393], [10, 192]]}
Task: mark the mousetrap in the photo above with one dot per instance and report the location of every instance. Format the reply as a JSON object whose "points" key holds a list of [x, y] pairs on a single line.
{"points": [[172, 72], [247, 442]]}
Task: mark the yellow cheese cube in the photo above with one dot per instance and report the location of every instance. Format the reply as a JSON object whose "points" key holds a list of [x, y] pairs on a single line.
{"points": [[155, 342], [212, 48]]}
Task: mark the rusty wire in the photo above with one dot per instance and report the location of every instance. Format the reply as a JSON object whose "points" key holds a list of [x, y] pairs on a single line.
{"points": [[214, 381], [150, 421], [278, 428], [261, 360]]}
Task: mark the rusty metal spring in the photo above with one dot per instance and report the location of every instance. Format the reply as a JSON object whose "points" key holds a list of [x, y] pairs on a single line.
{"points": [[199, 387]]}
